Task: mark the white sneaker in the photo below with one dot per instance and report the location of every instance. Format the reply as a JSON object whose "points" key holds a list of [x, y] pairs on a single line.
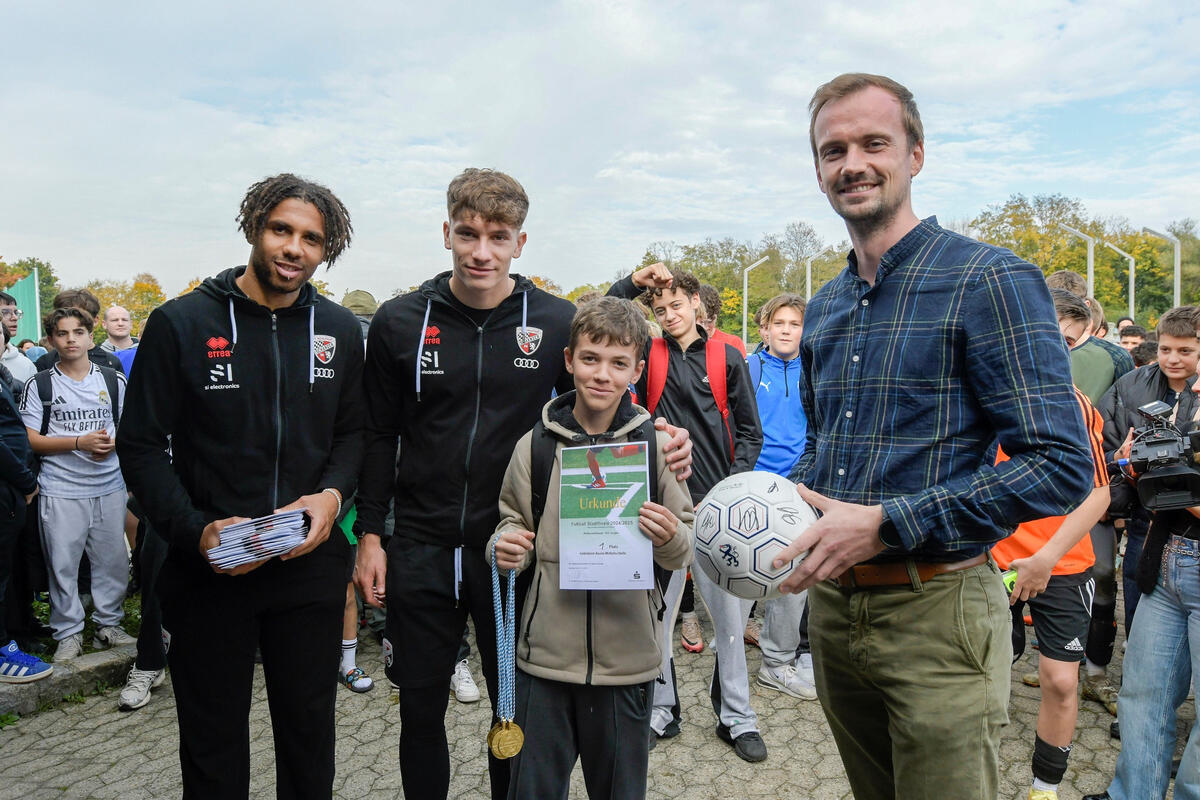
{"points": [[462, 684], [137, 687], [68, 648], [112, 636], [785, 679], [804, 669]]}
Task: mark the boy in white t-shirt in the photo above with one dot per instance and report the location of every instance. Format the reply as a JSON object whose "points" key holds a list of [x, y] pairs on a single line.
{"points": [[73, 428]]}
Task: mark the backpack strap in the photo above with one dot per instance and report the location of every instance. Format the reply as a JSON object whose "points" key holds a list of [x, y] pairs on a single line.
{"points": [[114, 391], [45, 390], [656, 372], [714, 361], [541, 464], [755, 364]]}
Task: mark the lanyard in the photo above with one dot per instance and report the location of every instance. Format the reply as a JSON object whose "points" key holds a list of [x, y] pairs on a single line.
{"points": [[506, 737]]}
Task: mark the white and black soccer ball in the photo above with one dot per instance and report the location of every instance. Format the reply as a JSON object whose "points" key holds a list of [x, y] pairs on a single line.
{"points": [[743, 523]]}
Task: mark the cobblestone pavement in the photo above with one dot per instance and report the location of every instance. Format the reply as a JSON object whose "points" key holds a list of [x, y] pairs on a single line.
{"points": [[90, 750]]}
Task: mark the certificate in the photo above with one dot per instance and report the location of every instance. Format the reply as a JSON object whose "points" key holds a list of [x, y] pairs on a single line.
{"points": [[601, 490]]}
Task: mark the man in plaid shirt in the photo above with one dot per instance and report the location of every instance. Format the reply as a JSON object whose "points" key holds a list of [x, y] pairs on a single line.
{"points": [[927, 350]]}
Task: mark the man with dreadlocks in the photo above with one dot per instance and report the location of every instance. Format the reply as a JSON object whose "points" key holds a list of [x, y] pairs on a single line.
{"points": [[252, 380]]}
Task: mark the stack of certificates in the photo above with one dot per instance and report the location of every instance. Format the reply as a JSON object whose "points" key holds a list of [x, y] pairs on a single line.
{"points": [[256, 539]]}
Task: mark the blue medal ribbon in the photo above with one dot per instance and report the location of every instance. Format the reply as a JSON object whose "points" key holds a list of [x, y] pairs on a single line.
{"points": [[506, 638]]}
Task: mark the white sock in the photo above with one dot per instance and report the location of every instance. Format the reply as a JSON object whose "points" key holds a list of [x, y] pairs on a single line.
{"points": [[1093, 670], [349, 650], [1043, 786]]}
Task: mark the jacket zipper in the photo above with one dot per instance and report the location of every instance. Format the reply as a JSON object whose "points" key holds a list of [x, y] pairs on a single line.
{"points": [[462, 519], [590, 654], [278, 409], [786, 393], [537, 595]]}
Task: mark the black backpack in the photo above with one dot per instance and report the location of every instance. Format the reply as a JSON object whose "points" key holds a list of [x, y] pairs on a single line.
{"points": [[542, 448]]}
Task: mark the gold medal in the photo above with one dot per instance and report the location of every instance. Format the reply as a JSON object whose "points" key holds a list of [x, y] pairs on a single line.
{"points": [[492, 734], [506, 739]]}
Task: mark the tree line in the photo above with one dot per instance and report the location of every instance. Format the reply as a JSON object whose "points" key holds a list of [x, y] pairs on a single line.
{"points": [[1029, 226]]}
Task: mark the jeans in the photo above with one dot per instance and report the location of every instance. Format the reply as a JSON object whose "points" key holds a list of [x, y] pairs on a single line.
{"points": [[1163, 651], [1135, 538]]}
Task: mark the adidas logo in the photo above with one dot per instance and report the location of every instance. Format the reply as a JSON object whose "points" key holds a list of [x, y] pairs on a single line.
{"points": [[1074, 645]]}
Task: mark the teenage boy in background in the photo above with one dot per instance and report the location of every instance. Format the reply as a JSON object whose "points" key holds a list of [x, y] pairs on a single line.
{"points": [[1053, 559], [576, 696], [686, 396], [778, 379], [82, 502]]}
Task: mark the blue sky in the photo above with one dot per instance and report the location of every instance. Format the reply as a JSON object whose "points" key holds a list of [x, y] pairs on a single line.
{"points": [[131, 131]]}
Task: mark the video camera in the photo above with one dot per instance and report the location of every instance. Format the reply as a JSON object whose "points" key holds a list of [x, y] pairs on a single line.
{"points": [[1165, 461]]}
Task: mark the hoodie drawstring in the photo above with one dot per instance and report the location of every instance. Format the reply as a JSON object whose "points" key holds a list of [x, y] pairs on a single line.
{"points": [[420, 351], [232, 325], [525, 314], [312, 348], [458, 551]]}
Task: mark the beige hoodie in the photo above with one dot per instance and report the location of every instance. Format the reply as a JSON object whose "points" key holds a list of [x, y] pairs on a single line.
{"points": [[601, 637]]}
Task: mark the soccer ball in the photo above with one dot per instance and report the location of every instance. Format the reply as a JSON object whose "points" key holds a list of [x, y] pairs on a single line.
{"points": [[743, 523]]}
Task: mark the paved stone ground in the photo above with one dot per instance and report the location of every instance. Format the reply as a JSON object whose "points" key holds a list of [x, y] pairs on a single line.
{"points": [[90, 750]]}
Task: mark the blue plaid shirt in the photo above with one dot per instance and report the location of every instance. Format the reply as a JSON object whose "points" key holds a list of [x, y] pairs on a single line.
{"points": [[912, 381]]}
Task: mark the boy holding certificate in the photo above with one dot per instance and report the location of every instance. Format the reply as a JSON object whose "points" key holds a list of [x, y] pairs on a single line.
{"points": [[588, 658]]}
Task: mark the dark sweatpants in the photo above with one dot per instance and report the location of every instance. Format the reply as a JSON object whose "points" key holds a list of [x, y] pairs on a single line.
{"points": [[12, 522], [292, 612], [606, 727], [422, 643], [151, 651]]}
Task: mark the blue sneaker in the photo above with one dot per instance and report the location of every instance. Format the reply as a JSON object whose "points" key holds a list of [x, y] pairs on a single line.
{"points": [[18, 667]]}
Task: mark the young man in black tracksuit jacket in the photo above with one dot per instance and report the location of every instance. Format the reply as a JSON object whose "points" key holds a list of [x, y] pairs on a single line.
{"points": [[254, 382], [458, 370], [722, 447]]}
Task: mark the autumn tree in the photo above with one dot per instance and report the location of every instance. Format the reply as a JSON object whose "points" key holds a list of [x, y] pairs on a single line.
{"points": [[139, 296], [546, 285]]}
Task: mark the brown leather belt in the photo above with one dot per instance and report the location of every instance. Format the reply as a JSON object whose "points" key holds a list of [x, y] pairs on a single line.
{"points": [[896, 573]]}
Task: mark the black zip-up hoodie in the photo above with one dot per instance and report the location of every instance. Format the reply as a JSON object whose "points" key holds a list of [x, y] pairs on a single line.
{"points": [[458, 395], [688, 403], [258, 407]]}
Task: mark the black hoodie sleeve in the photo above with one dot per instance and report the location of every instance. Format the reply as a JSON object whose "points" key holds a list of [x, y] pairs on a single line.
{"points": [[384, 388], [346, 450], [625, 289], [743, 412], [150, 415]]}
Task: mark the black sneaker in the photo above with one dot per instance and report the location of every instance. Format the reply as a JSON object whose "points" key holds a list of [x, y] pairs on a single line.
{"points": [[749, 746]]}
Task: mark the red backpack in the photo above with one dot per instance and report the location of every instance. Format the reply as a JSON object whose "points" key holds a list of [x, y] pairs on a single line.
{"points": [[714, 362]]}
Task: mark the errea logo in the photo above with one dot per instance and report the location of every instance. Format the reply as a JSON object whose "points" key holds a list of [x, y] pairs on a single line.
{"points": [[218, 347]]}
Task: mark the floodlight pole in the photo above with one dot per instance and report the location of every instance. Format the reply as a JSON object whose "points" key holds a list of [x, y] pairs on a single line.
{"points": [[808, 272], [1091, 262], [1178, 259], [745, 291], [1130, 259]]}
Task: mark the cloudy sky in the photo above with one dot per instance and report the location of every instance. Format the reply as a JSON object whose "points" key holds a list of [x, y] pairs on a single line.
{"points": [[129, 132]]}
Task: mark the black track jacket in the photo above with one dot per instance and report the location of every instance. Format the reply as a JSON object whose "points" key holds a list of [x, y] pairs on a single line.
{"points": [[479, 389], [259, 408], [688, 403]]}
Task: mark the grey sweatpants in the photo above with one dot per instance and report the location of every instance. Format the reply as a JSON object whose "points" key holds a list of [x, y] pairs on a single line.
{"points": [[781, 628], [71, 526], [666, 703], [730, 687]]}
